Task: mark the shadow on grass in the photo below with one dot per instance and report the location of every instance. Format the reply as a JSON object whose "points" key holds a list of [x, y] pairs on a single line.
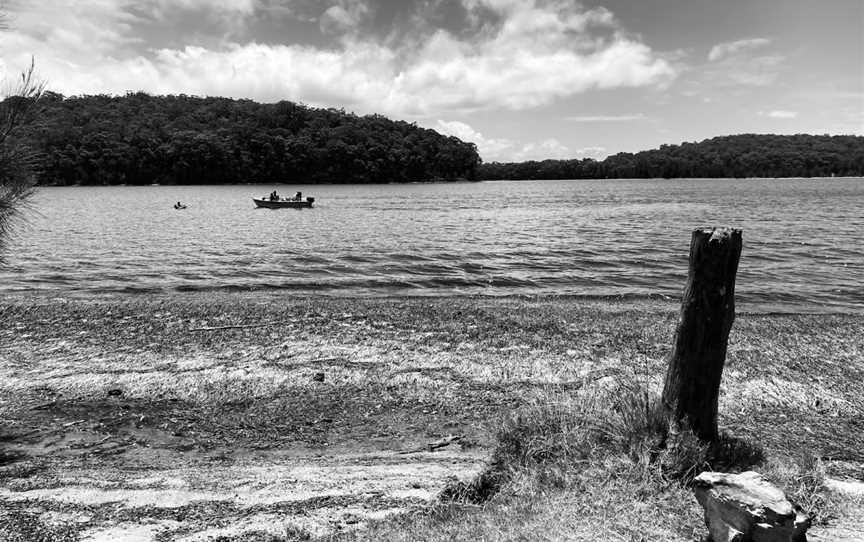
{"points": [[732, 454]]}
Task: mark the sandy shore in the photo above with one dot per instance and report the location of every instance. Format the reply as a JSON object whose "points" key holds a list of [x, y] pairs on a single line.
{"points": [[201, 416]]}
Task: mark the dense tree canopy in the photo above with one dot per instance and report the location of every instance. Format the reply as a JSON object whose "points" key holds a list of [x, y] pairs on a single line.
{"points": [[747, 155], [143, 139]]}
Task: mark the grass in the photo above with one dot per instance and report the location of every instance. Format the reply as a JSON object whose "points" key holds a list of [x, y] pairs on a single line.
{"points": [[594, 466], [561, 392], [565, 467]]}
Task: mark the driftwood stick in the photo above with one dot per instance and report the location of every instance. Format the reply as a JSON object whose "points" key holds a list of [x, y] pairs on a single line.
{"points": [[432, 446], [237, 326]]}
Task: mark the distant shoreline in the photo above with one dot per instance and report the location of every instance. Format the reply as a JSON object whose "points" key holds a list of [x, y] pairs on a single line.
{"points": [[861, 177], [464, 181]]}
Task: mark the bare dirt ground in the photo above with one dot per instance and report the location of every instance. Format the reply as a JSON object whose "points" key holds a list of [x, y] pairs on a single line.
{"points": [[231, 417]]}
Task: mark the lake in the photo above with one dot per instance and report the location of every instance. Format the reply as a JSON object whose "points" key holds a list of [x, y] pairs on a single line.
{"points": [[594, 238]]}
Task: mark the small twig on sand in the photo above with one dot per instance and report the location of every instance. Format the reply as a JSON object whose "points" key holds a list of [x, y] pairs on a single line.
{"points": [[70, 424], [432, 446], [118, 449], [238, 326], [44, 406], [325, 360]]}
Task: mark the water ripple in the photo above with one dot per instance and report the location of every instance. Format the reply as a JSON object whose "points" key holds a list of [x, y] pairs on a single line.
{"points": [[603, 239]]}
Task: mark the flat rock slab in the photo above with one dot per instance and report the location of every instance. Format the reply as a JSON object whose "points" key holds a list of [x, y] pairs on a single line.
{"points": [[747, 508]]}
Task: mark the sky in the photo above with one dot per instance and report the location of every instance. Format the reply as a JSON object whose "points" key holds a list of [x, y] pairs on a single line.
{"points": [[523, 79]]}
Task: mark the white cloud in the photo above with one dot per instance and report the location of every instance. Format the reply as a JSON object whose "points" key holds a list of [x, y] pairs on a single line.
{"points": [[540, 53], [163, 7], [549, 148], [490, 149], [730, 48], [67, 31], [741, 64], [756, 72], [606, 118], [779, 114], [343, 17], [506, 150], [592, 152]]}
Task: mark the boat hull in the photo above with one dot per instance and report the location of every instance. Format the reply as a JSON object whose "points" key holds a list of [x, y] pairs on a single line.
{"points": [[282, 204]]}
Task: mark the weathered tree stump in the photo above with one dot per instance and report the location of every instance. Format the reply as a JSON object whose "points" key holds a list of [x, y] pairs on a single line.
{"points": [[707, 311]]}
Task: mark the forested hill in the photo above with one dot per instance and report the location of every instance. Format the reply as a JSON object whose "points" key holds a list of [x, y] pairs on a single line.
{"points": [[143, 139], [748, 155]]}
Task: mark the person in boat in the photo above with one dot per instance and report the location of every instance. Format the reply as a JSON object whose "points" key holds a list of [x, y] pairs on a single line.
{"points": [[178, 205], [298, 196]]}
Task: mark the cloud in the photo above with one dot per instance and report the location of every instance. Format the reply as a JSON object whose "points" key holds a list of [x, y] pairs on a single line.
{"points": [[592, 152], [506, 150], [779, 114], [343, 17], [538, 52], [69, 30], [730, 48], [757, 72], [549, 148], [164, 8], [490, 149], [742, 64], [606, 118]]}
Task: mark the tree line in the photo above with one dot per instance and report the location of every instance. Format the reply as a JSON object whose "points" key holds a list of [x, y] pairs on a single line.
{"points": [[144, 139], [746, 155]]}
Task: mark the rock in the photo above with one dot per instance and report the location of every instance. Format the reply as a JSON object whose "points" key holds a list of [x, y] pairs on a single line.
{"points": [[115, 392], [318, 377], [747, 508]]}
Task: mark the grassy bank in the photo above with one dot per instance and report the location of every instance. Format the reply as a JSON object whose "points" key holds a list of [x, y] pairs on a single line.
{"points": [[163, 384]]}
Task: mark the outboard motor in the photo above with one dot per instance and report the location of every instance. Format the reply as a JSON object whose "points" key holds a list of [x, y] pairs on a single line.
{"points": [[310, 200]]}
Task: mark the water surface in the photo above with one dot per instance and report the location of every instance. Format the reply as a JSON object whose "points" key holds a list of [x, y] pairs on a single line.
{"points": [[802, 246]]}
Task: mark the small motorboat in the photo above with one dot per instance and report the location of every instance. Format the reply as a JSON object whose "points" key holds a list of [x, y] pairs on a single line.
{"points": [[279, 204], [274, 201]]}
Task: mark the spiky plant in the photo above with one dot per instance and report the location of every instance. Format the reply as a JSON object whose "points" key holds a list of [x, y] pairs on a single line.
{"points": [[18, 165]]}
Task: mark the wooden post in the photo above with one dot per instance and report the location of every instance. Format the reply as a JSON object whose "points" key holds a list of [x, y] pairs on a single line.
{"points": [[707, 311]]}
